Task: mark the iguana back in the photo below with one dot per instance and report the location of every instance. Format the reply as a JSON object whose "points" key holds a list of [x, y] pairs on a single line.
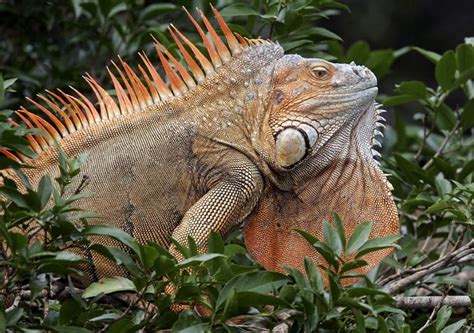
{"points": [[245, 133]]}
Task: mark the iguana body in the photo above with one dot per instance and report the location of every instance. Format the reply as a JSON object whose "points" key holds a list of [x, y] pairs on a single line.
{"points": [[249, 135]]}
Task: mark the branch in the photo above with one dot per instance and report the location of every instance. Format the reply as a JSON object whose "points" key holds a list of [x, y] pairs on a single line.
{"points": [[395, 283], [429, 302]]}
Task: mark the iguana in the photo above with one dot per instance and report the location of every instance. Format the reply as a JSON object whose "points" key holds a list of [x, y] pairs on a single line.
{"points": [[242, 135]]}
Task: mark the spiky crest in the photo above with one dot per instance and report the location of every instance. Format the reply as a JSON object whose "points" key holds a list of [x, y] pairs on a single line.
{"points": [[66, 113]]}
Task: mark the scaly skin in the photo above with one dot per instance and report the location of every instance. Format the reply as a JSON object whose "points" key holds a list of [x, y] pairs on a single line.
{"points": [[275, 141]]}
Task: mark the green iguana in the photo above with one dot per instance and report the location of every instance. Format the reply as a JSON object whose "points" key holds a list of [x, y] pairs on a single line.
{"points": [[245, 134]]}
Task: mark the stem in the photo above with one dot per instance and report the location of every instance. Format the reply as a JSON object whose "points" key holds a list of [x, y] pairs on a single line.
{"points": [[443, 145], [433, 313]]}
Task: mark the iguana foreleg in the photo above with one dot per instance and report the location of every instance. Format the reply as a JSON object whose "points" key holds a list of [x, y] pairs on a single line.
{"points": [[225, 205]]}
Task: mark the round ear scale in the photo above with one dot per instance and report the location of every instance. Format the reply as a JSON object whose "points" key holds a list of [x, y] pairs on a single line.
{"points": [[293, 144], [291, 147]]}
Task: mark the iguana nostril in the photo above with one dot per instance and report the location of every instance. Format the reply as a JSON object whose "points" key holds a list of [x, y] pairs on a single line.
{"points": [[360, 71]]}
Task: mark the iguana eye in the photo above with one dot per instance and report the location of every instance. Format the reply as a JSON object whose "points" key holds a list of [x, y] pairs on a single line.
{"points": [[320, 72]]}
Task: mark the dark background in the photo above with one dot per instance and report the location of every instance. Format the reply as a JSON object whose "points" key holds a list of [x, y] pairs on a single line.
{"points": [[434, 25]]}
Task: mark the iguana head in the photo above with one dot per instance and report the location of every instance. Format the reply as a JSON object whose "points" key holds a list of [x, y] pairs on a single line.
{"points": [[323, 120], [312, 102]]}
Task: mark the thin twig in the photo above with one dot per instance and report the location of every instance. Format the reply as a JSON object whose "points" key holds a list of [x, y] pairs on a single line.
{"points": [[83, 184], [433, 290], [433, 313], [443, 145]]}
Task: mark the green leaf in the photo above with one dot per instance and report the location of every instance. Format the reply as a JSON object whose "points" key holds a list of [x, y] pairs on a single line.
{"points": [[443, 165], [352, 265], [331, 238], [442, 317], [119, 256], [466, 170], [192, 261], [321, 248], [9, 82], [382, 325], [430, 55], [13, 316], [362, 291], [215, 243], [438, 206], [251, 298], [400, 99], [353, 303], [327, 254], [359, 52], [443, 186], [313, 274], [340, 229], [321, 32], [188, 322], [467, 117], [288, 293], [150, 254], [122, 236], [68, 311], [462, 79], [70, 329], [380, 62], [164, 265], [109, 285], [233, 249], [2, 89], [453, 328], [261, 281], [359, 237], [311, 239], [3, 320], [188, 292], [239, 9], [414, 88], [15, 196], [121, 326], [230, 304], [334, 288], [192, 246], [45, 189], [153, 10], [464, 57], [359, 318], [377, 244], [311, 315], [445, 70]]}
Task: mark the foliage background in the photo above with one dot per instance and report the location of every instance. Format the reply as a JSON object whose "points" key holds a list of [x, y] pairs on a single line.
{"points": [[428, 149]]}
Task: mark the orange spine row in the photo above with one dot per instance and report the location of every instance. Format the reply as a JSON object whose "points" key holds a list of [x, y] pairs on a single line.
{"points": [[66, 113]]}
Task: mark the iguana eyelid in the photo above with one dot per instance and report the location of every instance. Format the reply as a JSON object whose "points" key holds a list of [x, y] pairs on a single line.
{"points": [[320, 72]]}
